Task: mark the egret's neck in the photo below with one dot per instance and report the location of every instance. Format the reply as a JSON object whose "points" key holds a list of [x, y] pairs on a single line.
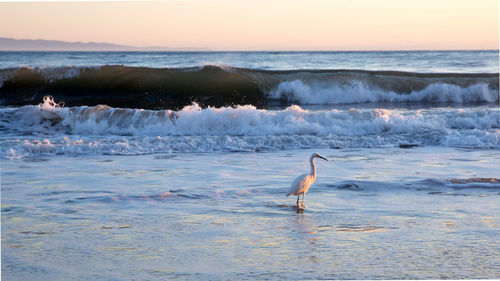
{"points": [[313, 167]]}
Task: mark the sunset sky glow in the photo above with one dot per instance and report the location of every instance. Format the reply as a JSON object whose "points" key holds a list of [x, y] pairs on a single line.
{"points": [[261, 25]]}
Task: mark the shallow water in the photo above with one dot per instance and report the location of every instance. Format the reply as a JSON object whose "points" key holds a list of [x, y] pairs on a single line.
{"points": [[411, 190], [387, 213]]}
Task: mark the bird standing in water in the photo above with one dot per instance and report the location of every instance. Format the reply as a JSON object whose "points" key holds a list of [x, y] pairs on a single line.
{"points": [[302, 183]]}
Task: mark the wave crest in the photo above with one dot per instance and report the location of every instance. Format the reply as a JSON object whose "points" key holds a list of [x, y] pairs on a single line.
{"points": [[219, 86], [358, 92]]}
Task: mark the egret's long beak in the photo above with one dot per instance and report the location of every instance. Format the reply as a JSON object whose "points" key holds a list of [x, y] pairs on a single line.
{"points": [[322, 157]]}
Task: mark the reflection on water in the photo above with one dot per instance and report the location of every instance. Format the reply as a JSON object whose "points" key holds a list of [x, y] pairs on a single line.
{"points": [[210, 217]]}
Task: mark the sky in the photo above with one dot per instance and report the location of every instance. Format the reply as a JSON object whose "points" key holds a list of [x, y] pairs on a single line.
{"points": [[261, 24]]}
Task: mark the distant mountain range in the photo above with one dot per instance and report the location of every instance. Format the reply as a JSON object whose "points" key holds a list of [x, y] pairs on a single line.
{"points": [[10, 44]]}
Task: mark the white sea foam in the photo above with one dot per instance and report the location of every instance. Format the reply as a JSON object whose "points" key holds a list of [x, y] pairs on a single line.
{"points": [[52, 129], [52, 118], [321, 92]]}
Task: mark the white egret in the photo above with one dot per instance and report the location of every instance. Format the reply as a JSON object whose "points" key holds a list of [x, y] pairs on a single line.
{"points": [[302, 183]]}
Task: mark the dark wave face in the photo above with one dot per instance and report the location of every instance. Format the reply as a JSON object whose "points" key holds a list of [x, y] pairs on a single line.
{"points": [[136, 87], [174, 88]]}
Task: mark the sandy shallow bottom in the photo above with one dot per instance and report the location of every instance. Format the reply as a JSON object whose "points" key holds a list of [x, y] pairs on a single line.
{"points": [[387, 213]]}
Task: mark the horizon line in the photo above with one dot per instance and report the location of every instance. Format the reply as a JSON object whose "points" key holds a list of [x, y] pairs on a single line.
{"points": [[178, 50], [131, 48]]}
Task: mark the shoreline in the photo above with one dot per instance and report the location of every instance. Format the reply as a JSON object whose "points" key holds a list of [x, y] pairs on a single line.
{"points": [[370, 213]]}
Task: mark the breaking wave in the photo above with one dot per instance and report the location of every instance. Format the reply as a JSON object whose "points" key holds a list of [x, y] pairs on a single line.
{"points": [[358, 92], [220, 86], [50, 128]]}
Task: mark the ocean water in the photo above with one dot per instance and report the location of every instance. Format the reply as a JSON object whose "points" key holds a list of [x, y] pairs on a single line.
{"points": [[410, 61], [101, 192]]}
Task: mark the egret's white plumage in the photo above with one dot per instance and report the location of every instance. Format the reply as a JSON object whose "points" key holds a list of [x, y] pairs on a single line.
{"points": [[302, 183]]}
